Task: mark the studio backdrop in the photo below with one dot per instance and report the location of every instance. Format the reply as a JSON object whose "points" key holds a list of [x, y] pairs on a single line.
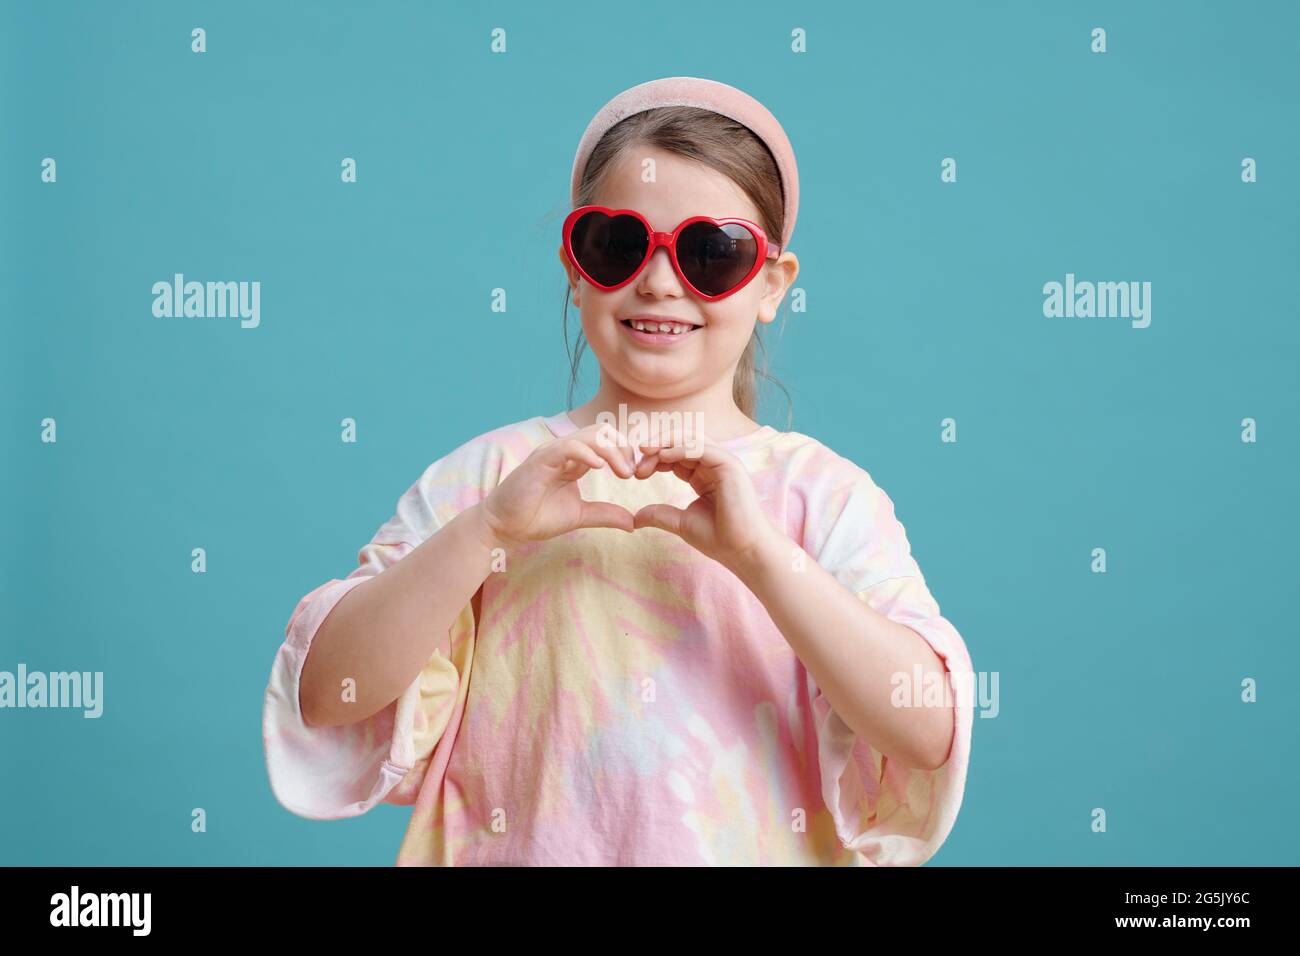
{"points": [[1047, 298]]}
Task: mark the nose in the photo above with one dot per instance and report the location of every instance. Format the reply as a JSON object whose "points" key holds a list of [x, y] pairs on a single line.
{"points": [[658, 278]]}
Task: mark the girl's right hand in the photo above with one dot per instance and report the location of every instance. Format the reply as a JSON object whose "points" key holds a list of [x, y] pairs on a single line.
{"points": [[540, 499]]}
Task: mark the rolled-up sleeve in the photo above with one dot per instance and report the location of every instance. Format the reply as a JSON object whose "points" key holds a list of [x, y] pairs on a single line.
{"points": [[328, 773], [888, 812]]}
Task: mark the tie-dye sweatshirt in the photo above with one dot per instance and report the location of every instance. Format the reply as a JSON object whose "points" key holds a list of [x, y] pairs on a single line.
{"points": [[623, 699]]}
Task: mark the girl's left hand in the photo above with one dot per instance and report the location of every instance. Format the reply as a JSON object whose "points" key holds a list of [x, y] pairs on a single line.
{"points": [[725, 522]]}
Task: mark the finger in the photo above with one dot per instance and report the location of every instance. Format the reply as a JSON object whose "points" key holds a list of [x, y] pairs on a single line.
{"points": [[571, 456], [693, 441], [682, 469], [655, 457], [688, 473], [603, 514], [685, 470], [647, 465], [663, 517], [706, 453], [606, 440]]}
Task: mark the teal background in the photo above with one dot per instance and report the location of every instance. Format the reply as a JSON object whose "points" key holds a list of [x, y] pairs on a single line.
{"points": [[1118, 690]]}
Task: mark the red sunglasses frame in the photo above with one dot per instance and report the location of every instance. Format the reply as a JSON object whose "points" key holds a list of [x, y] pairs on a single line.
{"points": [[766, 250]]}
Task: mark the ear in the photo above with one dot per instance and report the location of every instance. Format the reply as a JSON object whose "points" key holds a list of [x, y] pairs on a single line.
{"points": [[573, 276], [777, 278]]}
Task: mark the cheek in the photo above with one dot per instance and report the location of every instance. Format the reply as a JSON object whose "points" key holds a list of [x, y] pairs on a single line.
{"points": [[595, 310], [733, 319]]}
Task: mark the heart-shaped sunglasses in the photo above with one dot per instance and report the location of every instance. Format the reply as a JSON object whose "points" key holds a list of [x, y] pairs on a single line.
{"points": [[714, 257]]}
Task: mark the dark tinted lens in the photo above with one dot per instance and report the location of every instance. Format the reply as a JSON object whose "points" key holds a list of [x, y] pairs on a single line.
{"points": [[609, 248], [716, 258]]}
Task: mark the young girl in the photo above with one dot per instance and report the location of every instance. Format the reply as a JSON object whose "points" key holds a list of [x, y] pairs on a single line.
{"points": [[576, 643]]}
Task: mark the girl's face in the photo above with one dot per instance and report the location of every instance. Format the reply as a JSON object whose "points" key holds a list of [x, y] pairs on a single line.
{"points": [[694, 361]]}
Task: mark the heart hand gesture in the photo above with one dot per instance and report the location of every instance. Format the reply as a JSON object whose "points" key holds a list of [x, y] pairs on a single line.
{"points": [[540, 498], [725, 522]]}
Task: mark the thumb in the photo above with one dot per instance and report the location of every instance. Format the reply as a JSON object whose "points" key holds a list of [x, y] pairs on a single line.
{"points": [[664, 517], [603, 514]]}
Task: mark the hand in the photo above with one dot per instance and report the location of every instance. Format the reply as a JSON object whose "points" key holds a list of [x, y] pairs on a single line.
{"points": [[725, 522], [540, 498]]}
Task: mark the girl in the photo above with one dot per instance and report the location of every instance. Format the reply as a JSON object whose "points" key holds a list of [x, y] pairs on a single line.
{"points": [[575, 644]]}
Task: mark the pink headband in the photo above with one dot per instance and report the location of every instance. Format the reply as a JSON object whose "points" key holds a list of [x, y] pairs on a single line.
{"points": [[709, 95]]}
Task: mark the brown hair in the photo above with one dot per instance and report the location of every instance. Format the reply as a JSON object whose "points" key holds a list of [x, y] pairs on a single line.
{"points": [[727, 147]]}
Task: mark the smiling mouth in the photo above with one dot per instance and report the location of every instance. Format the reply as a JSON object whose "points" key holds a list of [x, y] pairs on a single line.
{"points": [[674, 329]]}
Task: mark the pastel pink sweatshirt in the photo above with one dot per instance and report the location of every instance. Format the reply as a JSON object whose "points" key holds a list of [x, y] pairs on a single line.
{"points": [[624, 699]]}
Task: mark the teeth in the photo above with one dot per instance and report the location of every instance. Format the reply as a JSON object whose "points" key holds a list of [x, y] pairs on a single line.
{"points": [[673, 328]]}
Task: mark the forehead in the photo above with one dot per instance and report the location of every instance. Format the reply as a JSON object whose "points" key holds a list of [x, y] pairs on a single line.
{"points": [[680, 188]]}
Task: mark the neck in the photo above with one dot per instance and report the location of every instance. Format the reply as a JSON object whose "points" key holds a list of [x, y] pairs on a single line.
{"points": [[721, 418]]}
